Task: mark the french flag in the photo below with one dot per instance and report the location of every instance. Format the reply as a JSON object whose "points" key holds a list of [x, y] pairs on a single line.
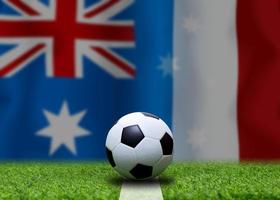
{"points": [[227, 86]]}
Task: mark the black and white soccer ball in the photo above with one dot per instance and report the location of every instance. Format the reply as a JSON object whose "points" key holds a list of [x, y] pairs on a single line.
{"points": [[139, 146]]}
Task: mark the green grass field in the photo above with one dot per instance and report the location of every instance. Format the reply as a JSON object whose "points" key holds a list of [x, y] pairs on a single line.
{"points": [[99, 181], [222, 181]]}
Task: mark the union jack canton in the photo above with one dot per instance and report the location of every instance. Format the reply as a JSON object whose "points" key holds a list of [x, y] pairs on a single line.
{"points": [[66, 31]]}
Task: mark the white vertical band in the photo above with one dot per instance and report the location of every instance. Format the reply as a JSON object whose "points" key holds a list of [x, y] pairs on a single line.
{"points": [[205, 86]]}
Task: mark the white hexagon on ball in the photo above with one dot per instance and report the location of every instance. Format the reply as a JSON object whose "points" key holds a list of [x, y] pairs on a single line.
{"points": [[139, 146], [148, 151]]}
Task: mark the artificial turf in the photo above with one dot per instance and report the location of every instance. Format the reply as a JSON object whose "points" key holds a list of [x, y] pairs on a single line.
{"points": [[58, 181], [99, 181], [221, 181]]}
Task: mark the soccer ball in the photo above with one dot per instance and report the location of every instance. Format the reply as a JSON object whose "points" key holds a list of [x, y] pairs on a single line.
{"points": [[139, 146]]}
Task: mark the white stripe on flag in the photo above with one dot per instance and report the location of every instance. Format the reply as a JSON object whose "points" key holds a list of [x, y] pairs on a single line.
{"points": [[141, 190], [205, 85]]}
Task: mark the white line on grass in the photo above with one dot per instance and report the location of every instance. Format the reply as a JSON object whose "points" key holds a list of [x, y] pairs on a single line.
{"points": [[141, 190]]}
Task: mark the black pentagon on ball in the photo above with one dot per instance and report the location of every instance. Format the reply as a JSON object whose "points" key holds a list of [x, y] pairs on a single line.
{"points": [[167, 144], [141, 171], [150, 115], [110, 157], [132, 135]]}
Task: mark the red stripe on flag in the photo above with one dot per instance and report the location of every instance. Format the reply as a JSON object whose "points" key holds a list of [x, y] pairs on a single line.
{"points": [[119, 63], [24, 7], [258, 31], [13, 65], [100, 9]]}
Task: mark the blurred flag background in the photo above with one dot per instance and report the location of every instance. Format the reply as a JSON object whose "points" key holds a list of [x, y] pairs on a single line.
{"points": [[225, 93], [70, 68]]}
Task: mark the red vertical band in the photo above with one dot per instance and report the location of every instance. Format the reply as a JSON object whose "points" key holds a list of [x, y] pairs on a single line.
{"points": [[258, 32]]}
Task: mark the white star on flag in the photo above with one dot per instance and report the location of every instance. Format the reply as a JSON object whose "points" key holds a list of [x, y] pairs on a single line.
{"points": [[63, 129], [168, 65], [196, 138], [191, 24]]}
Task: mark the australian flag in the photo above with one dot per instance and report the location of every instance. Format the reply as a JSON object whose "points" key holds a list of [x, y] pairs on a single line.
{"points": [[70, 68]]}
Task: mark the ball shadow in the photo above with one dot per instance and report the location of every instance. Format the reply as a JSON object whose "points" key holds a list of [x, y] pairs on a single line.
{"points": [[118, 181]]}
